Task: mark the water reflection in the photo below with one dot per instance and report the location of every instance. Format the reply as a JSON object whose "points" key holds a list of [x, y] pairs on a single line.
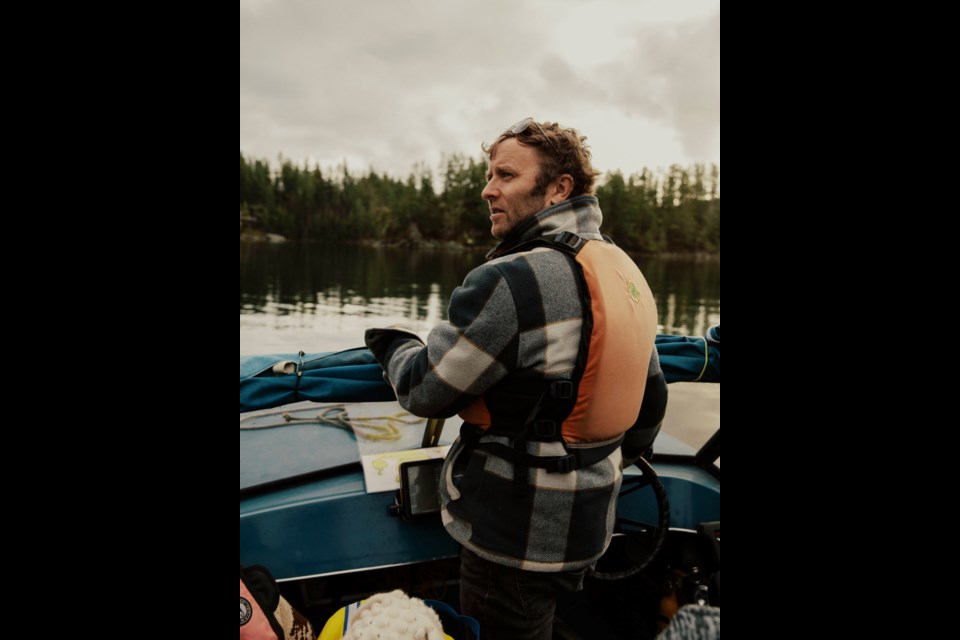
{"points": [[320, 297], [687, 293]]}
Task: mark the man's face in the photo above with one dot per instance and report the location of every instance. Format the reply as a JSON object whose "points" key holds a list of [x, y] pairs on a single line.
{"points": [[511, 182]]}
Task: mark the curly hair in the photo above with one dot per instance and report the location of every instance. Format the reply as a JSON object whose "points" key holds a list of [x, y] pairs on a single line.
{"points": [[562, 150]]}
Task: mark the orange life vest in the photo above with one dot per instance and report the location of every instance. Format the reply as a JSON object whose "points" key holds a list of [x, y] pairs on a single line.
{"points": [[602, 401]]}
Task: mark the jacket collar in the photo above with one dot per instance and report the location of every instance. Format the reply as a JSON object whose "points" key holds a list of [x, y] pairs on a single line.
{"points": [[580, 215]]}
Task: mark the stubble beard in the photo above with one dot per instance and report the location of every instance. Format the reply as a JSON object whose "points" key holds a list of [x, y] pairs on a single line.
{"points": [[529, 206]]}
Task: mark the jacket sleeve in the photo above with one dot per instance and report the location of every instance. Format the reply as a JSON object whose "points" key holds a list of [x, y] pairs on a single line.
{"points": [[639, 439], [462, 357]]}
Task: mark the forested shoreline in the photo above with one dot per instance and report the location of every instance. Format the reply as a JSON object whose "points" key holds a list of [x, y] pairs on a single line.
{"points": [[654, 211]]}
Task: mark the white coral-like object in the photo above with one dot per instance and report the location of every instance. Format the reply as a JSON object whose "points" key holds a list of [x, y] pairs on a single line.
{"points": [[394, 616]]}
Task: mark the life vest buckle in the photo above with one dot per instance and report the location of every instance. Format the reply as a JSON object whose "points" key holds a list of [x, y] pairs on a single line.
{"points": [[561, 389], [565, 464], [545, 429], [572, 240]]}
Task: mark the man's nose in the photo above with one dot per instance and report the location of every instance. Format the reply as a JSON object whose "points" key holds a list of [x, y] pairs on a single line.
{"points": [[488, 191]]}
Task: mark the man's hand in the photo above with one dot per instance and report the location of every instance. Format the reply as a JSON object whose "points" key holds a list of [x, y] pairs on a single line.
{"points": [[380, 340], [384, 341]]}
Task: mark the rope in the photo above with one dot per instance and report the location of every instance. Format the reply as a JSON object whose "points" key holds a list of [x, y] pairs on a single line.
{"points": [[336, 416]]}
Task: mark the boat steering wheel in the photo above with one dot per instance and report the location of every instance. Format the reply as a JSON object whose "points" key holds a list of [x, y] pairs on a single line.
{"points": [[628, 527]]}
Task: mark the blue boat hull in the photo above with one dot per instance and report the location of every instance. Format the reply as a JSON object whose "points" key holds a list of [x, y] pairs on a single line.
{"points": [[327, 525]]}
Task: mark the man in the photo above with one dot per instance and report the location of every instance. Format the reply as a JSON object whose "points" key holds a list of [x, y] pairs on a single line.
{"points": [[547, 356]]}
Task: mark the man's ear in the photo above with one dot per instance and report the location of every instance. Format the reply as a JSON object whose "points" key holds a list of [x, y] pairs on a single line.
{"points": [[561, 189]]}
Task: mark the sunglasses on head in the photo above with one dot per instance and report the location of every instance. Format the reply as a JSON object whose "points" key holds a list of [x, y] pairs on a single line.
{"points": [[524, 124]]}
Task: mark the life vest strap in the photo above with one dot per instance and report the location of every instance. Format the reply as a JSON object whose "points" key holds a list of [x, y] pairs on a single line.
{"points": [[470, 434], [575, 458]]}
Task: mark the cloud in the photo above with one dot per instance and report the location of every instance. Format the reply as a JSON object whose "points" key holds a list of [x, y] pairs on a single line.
{"points": [[673, 76], [386, 84], [669, 76]]}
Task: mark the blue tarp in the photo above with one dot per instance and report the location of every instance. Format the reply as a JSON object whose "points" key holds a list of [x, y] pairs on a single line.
{"points": [[354, 375], [690, 359], [343, 376]]}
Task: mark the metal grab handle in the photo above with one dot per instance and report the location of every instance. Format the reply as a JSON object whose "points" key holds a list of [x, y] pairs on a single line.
{"points": [[432, 431]]}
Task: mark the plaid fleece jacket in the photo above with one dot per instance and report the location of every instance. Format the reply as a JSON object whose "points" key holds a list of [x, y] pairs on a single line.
{"points": [[555, 521]]}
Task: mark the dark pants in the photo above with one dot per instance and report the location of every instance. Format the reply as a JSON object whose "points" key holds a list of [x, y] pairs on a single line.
{"points": [[512, 604]]}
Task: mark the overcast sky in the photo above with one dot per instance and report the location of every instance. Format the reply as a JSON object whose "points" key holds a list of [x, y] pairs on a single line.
{"points": [[384, 84]]}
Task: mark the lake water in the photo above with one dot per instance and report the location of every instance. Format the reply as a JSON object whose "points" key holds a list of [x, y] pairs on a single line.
{"points": [[321, 297]]}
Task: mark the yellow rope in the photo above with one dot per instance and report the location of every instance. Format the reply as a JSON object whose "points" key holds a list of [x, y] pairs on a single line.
{"points": [[706, 358], [336, 416]]}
